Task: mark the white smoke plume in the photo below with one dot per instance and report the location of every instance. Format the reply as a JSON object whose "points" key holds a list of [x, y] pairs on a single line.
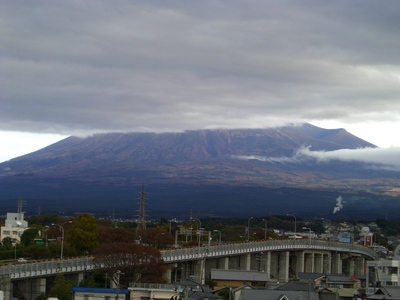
{"points": [[339, 204]]}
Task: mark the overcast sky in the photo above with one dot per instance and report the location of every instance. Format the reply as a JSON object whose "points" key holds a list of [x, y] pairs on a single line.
{"points": [[81, 67]]}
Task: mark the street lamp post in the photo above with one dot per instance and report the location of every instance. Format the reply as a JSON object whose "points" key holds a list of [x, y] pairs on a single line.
{"points": [[199, 235], [45, 230], [248, 228], [328, 228], [62, 237], [295, 225], [172, 220], [177, 269], [219, 233], [118, 274], [309, 235]]}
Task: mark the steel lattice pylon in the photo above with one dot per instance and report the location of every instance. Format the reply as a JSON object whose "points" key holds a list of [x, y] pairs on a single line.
{"points": [[141, 221]]}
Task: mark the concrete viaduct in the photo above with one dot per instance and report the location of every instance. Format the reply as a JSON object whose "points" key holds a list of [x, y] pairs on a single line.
{"points": [[283, 260]]}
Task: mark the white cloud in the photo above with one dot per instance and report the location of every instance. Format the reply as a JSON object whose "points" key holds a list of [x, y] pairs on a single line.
{"points": [[384, 158], [97, 66], [376, 158]]}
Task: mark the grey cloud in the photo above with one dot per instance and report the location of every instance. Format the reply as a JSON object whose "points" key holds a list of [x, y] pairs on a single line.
{"points": [[91, 66]]}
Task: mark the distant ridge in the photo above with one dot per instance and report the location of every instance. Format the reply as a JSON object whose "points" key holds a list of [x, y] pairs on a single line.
{"points": [[193, 169]]}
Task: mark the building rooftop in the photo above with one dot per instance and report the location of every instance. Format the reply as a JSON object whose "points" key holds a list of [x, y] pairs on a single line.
{"points": [[239, 275]]}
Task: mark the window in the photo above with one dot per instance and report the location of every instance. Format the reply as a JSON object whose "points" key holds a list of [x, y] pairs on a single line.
{"points": [[6, 232]]}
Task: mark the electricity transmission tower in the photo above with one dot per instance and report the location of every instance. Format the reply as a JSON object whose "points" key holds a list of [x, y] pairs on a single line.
{"points": [[141, 222]]}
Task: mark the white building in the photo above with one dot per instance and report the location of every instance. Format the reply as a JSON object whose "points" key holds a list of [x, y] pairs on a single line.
{"points": [[15, 225]]}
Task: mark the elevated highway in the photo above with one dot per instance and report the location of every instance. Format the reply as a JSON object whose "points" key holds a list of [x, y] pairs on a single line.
{"points": [[281, 259]]}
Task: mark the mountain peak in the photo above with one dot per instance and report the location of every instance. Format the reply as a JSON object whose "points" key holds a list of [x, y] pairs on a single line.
{"points": [[184, 169]]}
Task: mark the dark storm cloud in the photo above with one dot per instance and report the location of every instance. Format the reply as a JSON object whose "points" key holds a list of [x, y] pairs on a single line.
{"points": [[77, 67]]}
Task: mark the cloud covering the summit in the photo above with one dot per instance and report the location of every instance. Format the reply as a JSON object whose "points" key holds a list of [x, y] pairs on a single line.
{"points": [[82, 67]]}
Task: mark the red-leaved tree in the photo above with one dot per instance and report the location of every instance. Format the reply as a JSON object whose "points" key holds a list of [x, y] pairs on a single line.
{"points": [[134, 262]]}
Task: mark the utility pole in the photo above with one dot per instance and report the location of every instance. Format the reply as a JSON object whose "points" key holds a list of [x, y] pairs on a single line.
{"points": [[118, 275]]}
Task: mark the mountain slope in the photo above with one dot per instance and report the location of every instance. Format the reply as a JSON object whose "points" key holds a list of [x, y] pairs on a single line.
{"points": [[189, 146], [187, 170]]}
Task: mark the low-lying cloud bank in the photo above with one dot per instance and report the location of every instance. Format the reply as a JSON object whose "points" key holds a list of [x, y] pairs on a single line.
{"points": [[375, 158]]}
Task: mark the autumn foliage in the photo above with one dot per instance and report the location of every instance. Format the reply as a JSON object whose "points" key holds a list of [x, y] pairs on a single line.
{"points": [[114, 235], [136, 262]]}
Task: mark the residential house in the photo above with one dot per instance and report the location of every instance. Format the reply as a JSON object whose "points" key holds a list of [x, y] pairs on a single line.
{"points": [[237, 278], [84, 293]]}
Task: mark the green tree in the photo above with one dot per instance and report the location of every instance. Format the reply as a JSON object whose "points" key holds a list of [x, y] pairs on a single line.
{"points": [[225, 293], [61, 288], [7, 241], [41, 297], [37, 252], [97, 279], [83, 234], [29, 235]]}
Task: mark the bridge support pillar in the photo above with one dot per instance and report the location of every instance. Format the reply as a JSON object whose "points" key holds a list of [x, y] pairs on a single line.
{"points": [[234, 262], [245, 262], [32, 288], [212, 263], [279, 267], [261, 261], [178, 271], [327, 263], [203, 271], [360, 266], [352, 266], [169, 275], [300, 257], [39, 286], [6, 286], [274, 266], [337, 263], [223, 263], [283, 266], [199, 270], [268, 263], [318, 264], [309, 262]]}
